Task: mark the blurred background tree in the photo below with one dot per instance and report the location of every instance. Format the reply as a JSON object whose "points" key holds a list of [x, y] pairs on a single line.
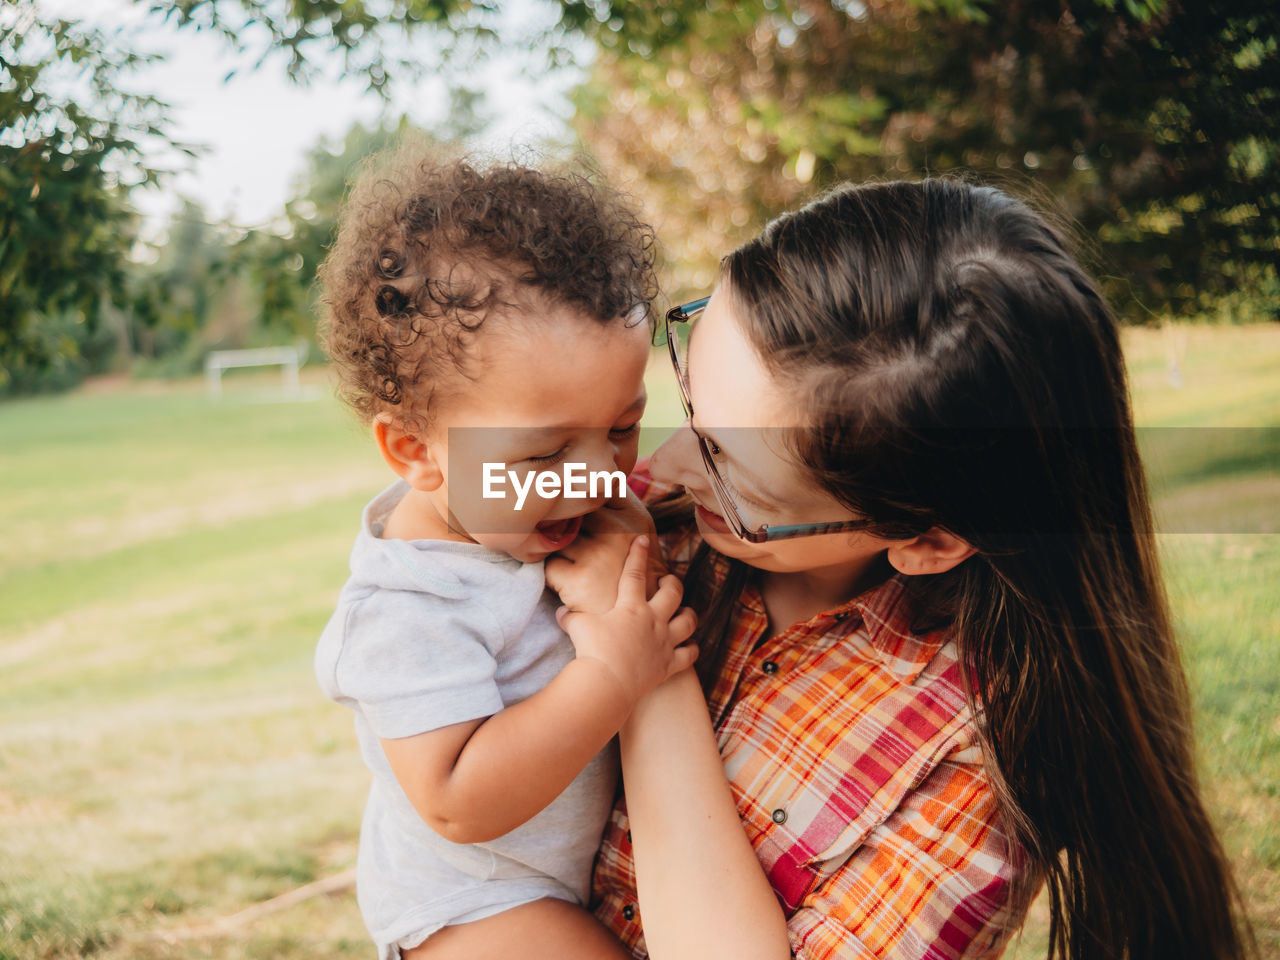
{"points": [[1151, 126], [74, 143], [217, 286], [71, 142], [280, 266], [365, 36]]}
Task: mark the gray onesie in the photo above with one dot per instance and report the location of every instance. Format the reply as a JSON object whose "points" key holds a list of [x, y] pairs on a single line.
{"points": [[429, 633]]}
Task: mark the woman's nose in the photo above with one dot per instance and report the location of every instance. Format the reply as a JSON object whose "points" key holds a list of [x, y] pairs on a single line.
{"points": [[678, 461]]}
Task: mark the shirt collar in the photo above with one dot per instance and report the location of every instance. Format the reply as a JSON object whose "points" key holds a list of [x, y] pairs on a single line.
{"points": [[882, 611], [887, 618]]}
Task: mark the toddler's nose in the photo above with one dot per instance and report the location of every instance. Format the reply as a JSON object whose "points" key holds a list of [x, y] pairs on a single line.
{"points": [[601, 457]]}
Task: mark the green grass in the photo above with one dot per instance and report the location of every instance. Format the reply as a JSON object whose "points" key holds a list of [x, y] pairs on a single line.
{"points": [[167, 563], [165, 756]]}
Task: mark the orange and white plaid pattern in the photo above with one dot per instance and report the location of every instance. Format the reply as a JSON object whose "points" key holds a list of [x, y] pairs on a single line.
{"points": [[855, 765]]}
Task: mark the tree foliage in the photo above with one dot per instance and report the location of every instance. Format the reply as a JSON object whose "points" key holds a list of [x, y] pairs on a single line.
{"points": [[1153, 124], [367, 35], [225, 286], [280, 268], [71, 140], [184, 288]]}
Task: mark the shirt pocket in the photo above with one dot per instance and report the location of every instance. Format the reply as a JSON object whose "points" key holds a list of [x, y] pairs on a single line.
{"points": [[806, 819]]}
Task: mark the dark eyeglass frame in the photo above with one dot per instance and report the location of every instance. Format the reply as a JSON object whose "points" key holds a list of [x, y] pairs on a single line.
{"points": [[686, 313]]}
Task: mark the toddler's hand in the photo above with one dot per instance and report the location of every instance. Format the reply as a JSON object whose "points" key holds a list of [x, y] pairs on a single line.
{"points": [[638, 641], [585, 573]]}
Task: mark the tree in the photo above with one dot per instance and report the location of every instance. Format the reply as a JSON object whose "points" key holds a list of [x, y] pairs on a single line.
{"points": [[1155, 126], [280, 268], [184, 285], [72, 147], [367, 36], [1154, 123], [65, 169]]}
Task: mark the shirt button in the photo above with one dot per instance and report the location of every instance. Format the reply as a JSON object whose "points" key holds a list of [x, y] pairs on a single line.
{"points": [[769, 667], [779, 816], [628, 912], [842, 615], [628, 836]]}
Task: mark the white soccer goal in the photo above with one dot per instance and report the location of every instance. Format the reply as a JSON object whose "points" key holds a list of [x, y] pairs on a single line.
{"points": [[289, 359]]}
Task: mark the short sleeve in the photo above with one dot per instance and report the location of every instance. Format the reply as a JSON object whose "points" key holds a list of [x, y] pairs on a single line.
{"points": [[413, 663], [932, 880]]}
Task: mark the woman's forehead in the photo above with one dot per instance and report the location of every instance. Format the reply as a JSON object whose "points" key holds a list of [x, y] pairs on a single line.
{"points": [[744, 409], [729, 384]]}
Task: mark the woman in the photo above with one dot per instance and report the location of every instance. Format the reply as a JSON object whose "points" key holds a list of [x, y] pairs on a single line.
{"points": [[935, 644]]}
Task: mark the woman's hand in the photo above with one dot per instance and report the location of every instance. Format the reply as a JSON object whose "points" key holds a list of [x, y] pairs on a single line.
{"points": [[585, 574], [637, 640]]}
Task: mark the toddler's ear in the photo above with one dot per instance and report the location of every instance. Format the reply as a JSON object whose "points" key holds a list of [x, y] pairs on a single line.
{"points": [[409, 455], [934, 551]]}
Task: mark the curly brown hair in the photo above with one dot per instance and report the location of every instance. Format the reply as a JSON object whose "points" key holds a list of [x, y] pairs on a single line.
{"points": [[430, 245]]}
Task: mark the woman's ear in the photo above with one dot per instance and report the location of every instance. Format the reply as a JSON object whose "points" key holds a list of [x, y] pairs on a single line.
{"points": [[409, 455], [934, 551]]}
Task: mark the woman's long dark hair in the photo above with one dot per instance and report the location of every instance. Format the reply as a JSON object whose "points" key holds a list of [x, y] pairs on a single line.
{"points": [[964, 372]]}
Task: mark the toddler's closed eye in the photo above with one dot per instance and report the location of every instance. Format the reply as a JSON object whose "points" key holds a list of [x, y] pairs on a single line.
{"points": [[551, 457]]}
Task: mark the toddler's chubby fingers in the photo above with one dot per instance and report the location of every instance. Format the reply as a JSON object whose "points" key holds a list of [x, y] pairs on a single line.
{"points": [[680, 628], [631, 584], [682, 658], [667, 599], [565, 615], [556, 571]]}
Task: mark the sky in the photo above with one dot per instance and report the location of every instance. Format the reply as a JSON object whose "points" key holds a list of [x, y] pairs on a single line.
{"points": [[258, 127]]}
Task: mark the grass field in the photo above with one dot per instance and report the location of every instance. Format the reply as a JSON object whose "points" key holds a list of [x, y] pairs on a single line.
{"points": [[166, 759]]}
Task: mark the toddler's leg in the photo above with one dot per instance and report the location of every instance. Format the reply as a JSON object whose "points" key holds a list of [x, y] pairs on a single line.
{"points": [[543, 930]]}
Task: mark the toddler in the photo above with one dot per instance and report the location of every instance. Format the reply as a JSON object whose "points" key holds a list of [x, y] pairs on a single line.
{"points": [[491, 324]]}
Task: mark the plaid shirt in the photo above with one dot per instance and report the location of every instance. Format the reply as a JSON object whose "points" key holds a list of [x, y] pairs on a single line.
{"points": [[855, 766]]}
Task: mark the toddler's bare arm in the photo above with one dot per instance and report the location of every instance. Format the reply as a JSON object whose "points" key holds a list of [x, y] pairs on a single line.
{"points": [[475, 781]]}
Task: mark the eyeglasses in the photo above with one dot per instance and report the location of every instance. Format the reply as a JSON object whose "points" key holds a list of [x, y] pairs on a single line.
{"points": [[679, 322]]}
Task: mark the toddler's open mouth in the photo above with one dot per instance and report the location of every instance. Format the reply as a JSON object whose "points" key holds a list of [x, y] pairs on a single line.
{"points": [[558, 534]]}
